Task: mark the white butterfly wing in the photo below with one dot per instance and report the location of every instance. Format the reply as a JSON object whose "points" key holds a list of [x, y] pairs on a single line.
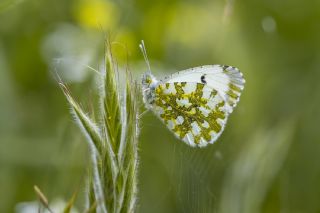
{"points": [[227, 80]]}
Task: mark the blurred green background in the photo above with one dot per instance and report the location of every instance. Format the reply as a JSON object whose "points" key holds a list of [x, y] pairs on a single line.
{"points": [[268, 158]]}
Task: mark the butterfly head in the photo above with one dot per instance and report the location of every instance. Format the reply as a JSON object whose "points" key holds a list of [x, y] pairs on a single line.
{"points": [[148, 80], [149, 84]]}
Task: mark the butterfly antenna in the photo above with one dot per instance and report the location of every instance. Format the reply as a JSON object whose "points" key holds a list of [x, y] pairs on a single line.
{"points": [[144, 52]]}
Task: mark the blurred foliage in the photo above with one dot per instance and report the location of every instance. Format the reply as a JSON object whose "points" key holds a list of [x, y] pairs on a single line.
{"points": [[276, 45]]}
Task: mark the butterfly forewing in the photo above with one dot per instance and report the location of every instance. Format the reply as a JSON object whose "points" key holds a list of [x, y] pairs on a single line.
{"points": [[226, 80], [195, 112]]}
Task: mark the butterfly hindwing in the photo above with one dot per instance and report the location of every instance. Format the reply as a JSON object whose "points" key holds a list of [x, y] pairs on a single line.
{"points": [[194, 111]]}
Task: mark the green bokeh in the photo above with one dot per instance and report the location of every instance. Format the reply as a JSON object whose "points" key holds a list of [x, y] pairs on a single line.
{"points": [[276, 44]]}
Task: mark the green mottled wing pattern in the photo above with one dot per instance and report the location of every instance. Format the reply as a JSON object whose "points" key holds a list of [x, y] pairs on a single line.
{"points": [[194, 112]]}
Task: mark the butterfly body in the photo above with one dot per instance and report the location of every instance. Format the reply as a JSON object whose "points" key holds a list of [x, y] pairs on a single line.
{"points": [[149, 84]]}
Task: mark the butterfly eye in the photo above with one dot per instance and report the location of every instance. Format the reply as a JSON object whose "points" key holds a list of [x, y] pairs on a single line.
{"points": [[148, 80]]}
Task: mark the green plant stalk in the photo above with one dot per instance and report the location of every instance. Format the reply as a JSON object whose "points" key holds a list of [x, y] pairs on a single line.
{"points": [[112, 178], [94, 140]]}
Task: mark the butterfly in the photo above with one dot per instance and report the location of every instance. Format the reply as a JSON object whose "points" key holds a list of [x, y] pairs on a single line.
{"points": [[195, 103]]}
